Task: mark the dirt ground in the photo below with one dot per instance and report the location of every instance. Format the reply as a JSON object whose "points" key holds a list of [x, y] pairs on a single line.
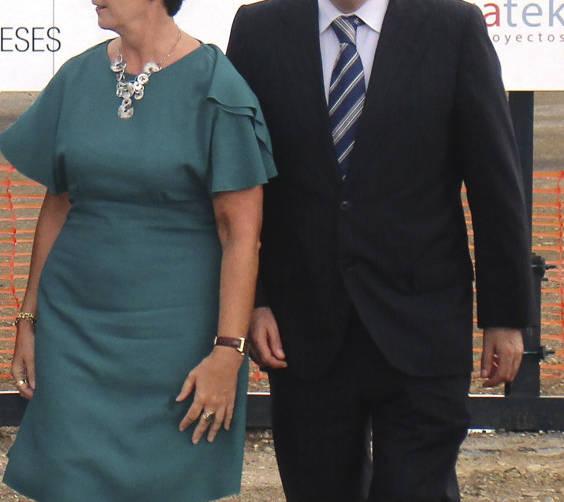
{"points": [[493, 467]]}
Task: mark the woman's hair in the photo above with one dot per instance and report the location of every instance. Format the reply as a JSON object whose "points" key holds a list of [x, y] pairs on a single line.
{"points": [[172, 6]]}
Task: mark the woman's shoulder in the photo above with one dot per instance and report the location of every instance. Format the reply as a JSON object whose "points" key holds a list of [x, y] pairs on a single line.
{"points": [[76, 64], [226, 87], [74, 70]]}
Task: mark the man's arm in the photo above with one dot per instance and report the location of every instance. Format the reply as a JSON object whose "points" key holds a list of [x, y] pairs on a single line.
{"points": [[239, 48], [266, 344], [242, 59], [487, 153]]}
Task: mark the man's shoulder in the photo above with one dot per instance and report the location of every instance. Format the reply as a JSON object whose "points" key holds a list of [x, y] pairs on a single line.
{"points": [[457, 8], [446, 17], [266, 8]]}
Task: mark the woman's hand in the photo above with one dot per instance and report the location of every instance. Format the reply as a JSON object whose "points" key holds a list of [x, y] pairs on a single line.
{"points": [[23, 363], [215, 383]]}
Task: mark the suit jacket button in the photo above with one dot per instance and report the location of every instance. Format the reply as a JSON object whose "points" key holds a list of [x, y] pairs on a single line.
{"points": [[345, 205]]}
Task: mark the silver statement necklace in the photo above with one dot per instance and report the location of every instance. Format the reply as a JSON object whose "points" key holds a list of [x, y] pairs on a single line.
{"points": [[136, 88]]}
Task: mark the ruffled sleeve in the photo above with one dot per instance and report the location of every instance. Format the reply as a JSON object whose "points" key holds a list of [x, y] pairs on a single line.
{"points": [[29, 144], [240, 150]]}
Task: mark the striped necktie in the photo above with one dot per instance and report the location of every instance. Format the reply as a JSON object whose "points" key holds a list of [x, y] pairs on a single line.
{"points": [[347, 91]]}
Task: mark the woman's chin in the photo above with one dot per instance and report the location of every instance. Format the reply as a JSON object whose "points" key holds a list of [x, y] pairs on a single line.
{"points": [[105, 26], [104, 22]]}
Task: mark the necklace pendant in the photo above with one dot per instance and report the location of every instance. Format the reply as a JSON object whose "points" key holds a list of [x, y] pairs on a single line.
{"points": [[125, 110], [151, 67], [125, 113]]}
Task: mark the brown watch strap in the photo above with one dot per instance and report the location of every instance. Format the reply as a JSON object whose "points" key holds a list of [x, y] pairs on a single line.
{"points": [[239, 344]]}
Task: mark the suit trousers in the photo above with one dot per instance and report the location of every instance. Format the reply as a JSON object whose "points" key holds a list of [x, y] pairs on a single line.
{"points": [[366, 432]]}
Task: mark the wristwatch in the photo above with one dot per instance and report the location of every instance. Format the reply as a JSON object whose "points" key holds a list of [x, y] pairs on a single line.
{"points": [[239, 344]]}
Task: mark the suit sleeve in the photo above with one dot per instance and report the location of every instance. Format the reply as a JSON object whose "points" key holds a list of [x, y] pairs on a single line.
{"points": [[239, 44], [487, 153], [238, 53]]}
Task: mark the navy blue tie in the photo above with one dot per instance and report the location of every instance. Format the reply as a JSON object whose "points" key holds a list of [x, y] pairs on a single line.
{"points": [[347, 91]]}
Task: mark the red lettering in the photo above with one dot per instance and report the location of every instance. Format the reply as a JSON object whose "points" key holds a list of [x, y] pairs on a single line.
{"points": [[495, 14]]}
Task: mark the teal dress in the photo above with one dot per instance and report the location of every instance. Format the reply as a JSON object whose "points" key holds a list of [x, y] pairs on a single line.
{"points": [[128, 297]]}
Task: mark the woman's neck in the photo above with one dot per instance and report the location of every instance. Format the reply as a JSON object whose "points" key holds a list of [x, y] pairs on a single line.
{"points": [[149, 40]]}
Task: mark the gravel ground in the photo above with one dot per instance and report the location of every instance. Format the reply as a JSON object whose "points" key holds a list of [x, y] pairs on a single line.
{"points": [[493, 467]]}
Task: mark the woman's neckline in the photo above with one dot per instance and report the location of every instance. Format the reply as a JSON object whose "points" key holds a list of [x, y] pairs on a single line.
{"points": [[174, 63]]}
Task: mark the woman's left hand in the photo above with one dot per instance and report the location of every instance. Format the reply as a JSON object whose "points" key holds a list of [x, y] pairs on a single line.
{"points": [[214, 381]]}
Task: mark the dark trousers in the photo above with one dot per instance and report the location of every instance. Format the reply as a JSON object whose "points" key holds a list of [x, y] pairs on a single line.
{"points": [[365, 432]]}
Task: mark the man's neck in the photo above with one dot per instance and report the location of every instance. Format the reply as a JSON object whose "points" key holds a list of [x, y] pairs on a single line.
{"points": [[347, 6]]}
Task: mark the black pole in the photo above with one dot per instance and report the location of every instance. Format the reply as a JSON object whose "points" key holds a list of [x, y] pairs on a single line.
{"points": [[527, 383], [522, 106]]}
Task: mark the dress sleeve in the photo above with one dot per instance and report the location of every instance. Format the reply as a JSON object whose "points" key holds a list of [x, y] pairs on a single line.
{"points": [[29, 144], [240, 150], [241, 154]]}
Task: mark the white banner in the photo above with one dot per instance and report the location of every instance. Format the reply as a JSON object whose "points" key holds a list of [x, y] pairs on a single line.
{"points": [[37, 36], [529, 39]]}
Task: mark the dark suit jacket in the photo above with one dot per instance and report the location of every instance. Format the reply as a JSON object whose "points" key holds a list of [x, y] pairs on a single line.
{"points": [[391, 240]]}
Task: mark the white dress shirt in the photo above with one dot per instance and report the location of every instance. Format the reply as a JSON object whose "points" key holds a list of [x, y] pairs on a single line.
{"points": [[372, 12]]}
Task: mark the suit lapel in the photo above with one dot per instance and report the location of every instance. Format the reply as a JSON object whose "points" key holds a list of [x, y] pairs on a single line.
{"points": [[303, 34], [400, 46], [302, 25]]}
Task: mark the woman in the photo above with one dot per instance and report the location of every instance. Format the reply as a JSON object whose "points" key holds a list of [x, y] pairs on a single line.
{"points": [[146, 249]]}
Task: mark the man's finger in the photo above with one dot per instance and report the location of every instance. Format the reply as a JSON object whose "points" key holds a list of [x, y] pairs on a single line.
{"points": [[275, 342], [502, 368], [260, 345], [505, 367], [266, 356], [254, 354], [487, 359]]}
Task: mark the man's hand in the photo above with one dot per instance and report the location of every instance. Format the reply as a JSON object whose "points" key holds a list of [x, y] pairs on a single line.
{"points": [[501, 355], [266, 346]]}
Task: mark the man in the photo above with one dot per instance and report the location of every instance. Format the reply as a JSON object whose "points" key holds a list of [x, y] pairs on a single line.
{"points": [[378, 112]]}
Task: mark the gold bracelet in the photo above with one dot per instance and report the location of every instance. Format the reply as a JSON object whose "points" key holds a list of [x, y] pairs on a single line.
{"points": [[25, 316]]}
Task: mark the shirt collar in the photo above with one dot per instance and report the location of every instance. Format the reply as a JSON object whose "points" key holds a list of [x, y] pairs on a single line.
{"points": [[372, 12]]}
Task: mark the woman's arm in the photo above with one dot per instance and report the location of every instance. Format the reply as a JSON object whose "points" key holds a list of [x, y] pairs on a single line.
{"points": [[238, 216], [51, 219]]}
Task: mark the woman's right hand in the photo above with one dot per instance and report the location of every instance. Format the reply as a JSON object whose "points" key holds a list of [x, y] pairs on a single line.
{"points": [[23, 363]]}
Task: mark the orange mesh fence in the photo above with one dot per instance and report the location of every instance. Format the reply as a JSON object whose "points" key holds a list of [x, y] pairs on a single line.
{"points": [[20, 201], [548, 221]]}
